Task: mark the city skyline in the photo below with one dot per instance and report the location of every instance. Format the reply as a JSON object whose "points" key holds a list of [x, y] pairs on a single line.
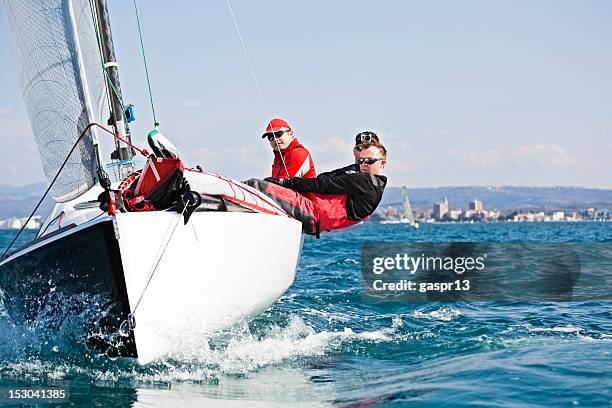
{"points": [[461, 93]]}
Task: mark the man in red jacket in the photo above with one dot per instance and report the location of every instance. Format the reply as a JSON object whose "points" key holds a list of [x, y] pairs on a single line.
{"points": [[291, 159]]}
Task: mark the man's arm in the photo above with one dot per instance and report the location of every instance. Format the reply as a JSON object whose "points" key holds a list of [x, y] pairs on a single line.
{"points": [[355, 184], [351, 168]]}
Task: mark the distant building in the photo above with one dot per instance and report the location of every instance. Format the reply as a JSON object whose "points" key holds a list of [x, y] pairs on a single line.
{"points": [[529, 217], [558, 216], [589, 213], [492, 214], [454, 214], [440, 209], [574, 216], [476, 205]]}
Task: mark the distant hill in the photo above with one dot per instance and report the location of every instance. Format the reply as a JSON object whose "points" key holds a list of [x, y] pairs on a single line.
{"points": [[504, 197], [19, 201], [8, 191]]}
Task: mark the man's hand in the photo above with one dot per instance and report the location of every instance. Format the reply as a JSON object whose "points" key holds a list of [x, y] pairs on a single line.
{"points": [[279, 181]]}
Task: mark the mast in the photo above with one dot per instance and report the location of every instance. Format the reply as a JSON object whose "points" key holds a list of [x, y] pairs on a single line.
{"points": [[113, 86]]}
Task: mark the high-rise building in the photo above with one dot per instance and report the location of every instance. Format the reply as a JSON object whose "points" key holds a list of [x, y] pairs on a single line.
{"points": [[440, 209], [476, 205]]}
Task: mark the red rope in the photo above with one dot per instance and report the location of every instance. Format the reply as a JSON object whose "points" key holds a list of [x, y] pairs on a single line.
{"points": [[116, 136]]}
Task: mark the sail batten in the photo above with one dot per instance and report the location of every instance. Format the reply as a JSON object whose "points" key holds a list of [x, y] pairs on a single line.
{"points": [[58, 62]]}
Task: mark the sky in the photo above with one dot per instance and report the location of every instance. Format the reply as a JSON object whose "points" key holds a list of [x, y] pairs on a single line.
{"points": [[461, 92]]}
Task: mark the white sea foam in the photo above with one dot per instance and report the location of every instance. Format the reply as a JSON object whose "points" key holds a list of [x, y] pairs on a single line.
{"points": [[445, 314], [246, 353], [236, 351], [329, 316], [556, 329]]}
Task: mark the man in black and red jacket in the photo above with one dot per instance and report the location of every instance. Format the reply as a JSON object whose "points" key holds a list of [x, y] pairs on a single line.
{"points": [[335, 199]]}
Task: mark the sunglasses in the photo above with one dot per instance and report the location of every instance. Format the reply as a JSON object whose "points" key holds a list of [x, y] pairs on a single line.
{"points": [[365, 137], [274, 135], [368, 160]]}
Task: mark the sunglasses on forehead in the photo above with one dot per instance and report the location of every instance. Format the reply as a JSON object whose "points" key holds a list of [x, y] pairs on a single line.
{"points": [[366, 137], [274, 135], [368, 160]]}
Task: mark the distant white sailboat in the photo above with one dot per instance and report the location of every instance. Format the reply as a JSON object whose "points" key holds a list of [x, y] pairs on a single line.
{"points": [[407, 217], [407, 214]]}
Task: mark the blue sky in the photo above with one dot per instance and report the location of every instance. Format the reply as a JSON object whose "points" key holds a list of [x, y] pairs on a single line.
{"points": [[462, 92]]}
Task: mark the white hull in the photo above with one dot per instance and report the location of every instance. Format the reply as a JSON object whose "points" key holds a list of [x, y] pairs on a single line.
{"points": [[219, 268]]}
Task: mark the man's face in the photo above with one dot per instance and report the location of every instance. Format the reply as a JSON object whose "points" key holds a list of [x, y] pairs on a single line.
{"points": [[366, 155], [283, 142]]}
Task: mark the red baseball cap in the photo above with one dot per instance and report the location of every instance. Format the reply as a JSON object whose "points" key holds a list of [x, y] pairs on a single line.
{"points": [[275, 125]]}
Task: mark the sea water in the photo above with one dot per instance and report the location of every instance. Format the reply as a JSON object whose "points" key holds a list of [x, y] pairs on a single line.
{"points": [[321, 345]]}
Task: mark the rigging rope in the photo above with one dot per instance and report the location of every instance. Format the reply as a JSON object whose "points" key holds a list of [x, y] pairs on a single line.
{"points": [[144, 58], [246, 54], [131, 319], [141, 151], [263, 102], [105, 72], [48, 189]]}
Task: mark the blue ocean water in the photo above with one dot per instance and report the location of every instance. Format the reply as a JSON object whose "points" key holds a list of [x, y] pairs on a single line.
{"points": [[321, 345]]}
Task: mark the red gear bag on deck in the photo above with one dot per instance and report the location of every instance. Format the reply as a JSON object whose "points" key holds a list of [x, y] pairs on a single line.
{"points": [[155, 174]]}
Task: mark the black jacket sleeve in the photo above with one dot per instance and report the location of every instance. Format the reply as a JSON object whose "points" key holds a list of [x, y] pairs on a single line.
{"points": [[352, 184]]}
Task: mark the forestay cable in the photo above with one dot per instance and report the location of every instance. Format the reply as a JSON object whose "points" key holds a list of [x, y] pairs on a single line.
{"points": [[144, 58], [263, 102]]}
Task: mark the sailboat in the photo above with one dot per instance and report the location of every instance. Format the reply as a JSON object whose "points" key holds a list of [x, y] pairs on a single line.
{"points": [[193, 262], [407, 216]]}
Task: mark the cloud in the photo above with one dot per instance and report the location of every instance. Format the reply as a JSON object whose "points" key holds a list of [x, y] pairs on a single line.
{"points": [[333, 146], [22, 165], [12, 171], [476, 157], [444, 133], [190, 103], [4, 111], [205, 157], [399, 167], [543, 155], [333, 153]]}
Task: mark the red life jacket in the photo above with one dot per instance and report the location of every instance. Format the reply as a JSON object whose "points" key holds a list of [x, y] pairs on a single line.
{"points": [[297, 160]]}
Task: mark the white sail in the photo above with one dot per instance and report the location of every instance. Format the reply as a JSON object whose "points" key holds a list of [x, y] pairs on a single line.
{"points": [[407, 215], [58, 62]]}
